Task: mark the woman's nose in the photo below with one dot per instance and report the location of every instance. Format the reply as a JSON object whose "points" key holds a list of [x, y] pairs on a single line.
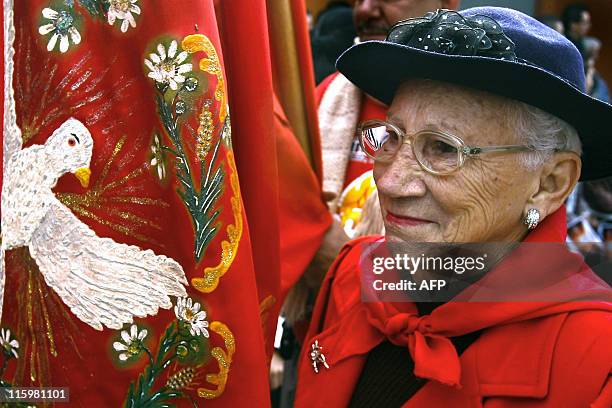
{"points": [[402, 177]]}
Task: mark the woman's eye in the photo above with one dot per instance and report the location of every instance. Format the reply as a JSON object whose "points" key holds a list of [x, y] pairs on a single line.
{"points": [[442, 147]]}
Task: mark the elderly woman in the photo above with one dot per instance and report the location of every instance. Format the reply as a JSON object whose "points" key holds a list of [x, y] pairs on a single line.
{"points": [[488, 131]]}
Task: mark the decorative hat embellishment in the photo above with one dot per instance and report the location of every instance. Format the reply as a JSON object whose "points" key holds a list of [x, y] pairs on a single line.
{"points": [[448, 32]]}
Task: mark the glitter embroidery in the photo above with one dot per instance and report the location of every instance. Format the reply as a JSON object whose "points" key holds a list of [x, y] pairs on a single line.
{"points": [[36, 330], [103, 282], [167, 68], [205, 132], [224, 360], [229, 248], [212, 65], [105, 194], [43, 96]]}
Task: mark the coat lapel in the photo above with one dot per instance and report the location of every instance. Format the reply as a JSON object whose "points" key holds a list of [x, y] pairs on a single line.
{"points": [[503, 362]]}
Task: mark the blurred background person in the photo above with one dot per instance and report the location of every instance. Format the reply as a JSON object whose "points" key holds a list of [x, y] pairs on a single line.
{"points": [[596, 85], [553, 22], [309, 20], [576, 23], [589, 206], [332, 34], [590, 224]]}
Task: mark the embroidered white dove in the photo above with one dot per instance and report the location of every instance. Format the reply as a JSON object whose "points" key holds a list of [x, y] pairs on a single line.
{"points": [[103, 282]]}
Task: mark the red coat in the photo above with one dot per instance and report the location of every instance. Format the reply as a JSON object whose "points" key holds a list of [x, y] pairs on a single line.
{"points": [[557, 358]]}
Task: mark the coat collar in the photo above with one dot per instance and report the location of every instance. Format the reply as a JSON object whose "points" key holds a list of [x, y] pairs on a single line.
{"points": [[505, 362]]}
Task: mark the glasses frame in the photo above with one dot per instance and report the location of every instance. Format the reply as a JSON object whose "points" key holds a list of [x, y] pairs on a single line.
{"points": [[464, 151]]}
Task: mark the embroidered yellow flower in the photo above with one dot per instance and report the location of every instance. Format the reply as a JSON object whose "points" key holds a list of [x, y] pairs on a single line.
{"points": [[167, 68], [122, 10], [132, 343], [62, 27], [189, 312]]}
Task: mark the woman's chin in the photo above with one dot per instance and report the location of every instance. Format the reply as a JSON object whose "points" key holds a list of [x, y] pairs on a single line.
{"points": [[419, 233]]}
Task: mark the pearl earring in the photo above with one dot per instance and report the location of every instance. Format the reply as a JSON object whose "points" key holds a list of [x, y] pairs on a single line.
{"points": [[532, 218]]}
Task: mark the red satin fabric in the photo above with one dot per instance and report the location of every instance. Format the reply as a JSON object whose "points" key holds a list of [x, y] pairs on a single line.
{"points": [[80, 357], [303, 215], [302, 39], [286, 215]]}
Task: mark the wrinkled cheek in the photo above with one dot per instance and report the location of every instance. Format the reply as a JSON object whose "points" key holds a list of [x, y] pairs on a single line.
{"points": [[466, 226], [470, 217]]}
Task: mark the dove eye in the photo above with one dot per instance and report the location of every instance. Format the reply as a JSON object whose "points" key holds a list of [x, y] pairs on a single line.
{"points": [[73, 140]]}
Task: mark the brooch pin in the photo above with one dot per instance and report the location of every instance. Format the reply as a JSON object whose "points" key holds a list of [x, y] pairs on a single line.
{"points": [[317, 357]]}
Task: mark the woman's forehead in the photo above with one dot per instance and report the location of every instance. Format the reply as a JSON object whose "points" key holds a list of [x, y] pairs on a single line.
{"points": [[468, 113], [431, 94]]}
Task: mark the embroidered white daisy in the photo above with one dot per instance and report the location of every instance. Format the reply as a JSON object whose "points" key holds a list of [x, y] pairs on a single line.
{"points": [[122, 10], [158, 157], [132, 343], [167, 67], [9, 346], [62, 27], [189, 312]]}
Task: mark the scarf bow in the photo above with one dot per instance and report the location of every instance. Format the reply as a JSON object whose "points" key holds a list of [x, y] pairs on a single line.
{"points": [[434, 355]]}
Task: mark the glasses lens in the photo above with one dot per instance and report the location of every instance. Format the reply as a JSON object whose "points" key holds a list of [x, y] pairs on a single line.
{"points": [[436, 152], [380, 142]]}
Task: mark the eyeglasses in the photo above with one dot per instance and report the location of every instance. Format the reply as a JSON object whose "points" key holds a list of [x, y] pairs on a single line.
{"points": [[436, 152]]}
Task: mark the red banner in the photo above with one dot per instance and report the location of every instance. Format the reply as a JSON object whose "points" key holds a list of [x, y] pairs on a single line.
{"points": [[128, 261]]}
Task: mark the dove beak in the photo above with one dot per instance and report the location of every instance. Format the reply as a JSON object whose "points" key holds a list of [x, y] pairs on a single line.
{"points": [[83, 175]]}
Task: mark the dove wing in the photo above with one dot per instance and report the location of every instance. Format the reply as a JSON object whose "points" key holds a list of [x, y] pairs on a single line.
{"points": [[12, 134], [102, 282], [11, 140]]}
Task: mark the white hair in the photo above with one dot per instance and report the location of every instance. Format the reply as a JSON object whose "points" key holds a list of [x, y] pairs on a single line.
{"points": [[541, 130]]}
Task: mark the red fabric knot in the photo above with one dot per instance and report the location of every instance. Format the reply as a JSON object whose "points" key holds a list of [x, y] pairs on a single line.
{"points": [[434, 355], [398, 328]]}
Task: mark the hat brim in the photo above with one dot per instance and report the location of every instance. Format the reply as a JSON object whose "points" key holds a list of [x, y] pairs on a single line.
{"points": [[379, 67]]}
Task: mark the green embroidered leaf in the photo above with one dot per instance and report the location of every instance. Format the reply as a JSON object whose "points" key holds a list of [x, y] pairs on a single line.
{"points": [[129, 400], [199, 204]]}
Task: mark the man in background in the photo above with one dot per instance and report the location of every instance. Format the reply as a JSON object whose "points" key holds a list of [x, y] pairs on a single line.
{"points": [[577, 23], [333, 33]]}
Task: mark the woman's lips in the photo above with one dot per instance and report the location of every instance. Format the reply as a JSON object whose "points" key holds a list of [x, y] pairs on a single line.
{"points": [[405, 220]]}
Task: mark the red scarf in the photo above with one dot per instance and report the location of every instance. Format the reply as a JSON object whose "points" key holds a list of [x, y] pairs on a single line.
{"points": [[366, 324]]}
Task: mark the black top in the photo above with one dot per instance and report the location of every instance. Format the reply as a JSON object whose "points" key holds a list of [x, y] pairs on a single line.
{"points": [[388, 379]]}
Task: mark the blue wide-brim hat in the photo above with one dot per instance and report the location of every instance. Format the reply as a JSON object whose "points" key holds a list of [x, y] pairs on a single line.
{"points": [[492, 49]]}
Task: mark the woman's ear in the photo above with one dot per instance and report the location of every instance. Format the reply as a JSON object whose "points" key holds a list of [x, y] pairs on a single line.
{"points": [[558, 177]]}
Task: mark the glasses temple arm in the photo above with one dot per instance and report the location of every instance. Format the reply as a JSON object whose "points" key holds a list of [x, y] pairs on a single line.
{"points": [[473, 151]]}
